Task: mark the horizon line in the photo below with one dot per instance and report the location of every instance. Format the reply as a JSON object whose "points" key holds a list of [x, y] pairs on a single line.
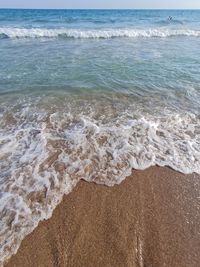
{"points": [[36, 8]]}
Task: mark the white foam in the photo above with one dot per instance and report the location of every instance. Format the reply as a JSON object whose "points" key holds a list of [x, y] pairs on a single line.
{"points": [[43, 156], [95, 33]]}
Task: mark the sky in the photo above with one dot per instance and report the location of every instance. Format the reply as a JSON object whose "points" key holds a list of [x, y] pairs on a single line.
{"points": [[182, 4]]}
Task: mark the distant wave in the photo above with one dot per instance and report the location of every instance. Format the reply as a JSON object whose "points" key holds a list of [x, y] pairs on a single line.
{"points": [[170, 22], [94, 34]]}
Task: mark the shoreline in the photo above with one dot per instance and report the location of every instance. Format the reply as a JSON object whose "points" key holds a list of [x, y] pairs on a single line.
{"points": [[151, 219]]}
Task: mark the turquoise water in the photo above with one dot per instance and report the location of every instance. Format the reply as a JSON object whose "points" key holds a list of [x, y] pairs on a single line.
{"points": [[91, 95], [94, 50]]}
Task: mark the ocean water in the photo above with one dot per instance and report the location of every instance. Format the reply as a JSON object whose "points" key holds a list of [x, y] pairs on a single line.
{"points": [[87, 94]]}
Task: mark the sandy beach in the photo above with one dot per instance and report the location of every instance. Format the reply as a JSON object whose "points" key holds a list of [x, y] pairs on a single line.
{"points": [[150, 219]]}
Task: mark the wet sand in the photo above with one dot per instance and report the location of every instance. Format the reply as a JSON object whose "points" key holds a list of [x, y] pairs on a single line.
{"points": [[151, 219]]}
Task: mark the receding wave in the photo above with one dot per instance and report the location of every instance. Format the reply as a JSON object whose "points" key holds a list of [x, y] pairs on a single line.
{"points": [[44, 153], [94, 34]]}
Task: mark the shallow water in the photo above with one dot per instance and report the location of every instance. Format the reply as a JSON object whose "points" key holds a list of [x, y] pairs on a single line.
{"points": [[91, 95]]}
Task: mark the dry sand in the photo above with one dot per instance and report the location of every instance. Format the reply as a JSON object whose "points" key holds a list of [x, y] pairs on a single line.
{"points": [[152, 219]]}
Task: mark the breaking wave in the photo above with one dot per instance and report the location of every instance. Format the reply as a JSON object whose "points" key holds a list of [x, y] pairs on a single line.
{"points": [[94, 34]]}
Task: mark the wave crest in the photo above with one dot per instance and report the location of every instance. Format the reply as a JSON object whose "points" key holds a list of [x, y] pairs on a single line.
{"points": [[94, 34]]}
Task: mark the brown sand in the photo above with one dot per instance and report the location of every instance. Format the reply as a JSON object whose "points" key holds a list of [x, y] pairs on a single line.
{"points": [[152, 219]]}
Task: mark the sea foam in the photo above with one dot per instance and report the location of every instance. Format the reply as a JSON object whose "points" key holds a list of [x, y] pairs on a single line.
{"points": [[44, 154], [95, 33]]}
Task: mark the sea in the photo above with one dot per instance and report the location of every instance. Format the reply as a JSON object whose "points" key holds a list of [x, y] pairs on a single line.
{"points": [[93, 95]]}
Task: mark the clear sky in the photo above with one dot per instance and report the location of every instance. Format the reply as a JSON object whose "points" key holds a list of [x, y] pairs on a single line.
{"points": [[100, 4]]}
